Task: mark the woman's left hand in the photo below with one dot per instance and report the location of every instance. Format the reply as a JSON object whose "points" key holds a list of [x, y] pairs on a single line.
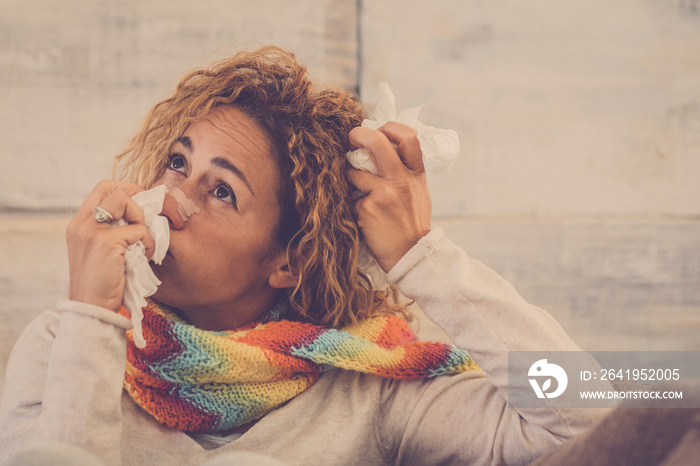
{"points": [[395, 211]]}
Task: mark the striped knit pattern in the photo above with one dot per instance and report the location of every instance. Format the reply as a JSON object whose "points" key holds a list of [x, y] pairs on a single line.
{"points": [[195, 380]]}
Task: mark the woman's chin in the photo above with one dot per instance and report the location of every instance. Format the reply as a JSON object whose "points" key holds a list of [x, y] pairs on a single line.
{"points": [[161, 273], [164, 294], [172, 292]]}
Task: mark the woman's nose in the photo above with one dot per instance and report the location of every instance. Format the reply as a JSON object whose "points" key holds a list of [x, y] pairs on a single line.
{"points": [[170, 210]]}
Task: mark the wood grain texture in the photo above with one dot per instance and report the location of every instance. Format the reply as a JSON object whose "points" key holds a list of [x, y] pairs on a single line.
{"points": [[77, 77], [563, 108]]}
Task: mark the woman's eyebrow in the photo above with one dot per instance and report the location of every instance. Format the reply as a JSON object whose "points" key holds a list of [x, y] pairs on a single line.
{"points": [[219, 162], [186, 141], [226, 165]]}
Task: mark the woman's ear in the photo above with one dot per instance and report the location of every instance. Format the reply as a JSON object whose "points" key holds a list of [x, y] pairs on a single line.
{"points": [[282, 277]]}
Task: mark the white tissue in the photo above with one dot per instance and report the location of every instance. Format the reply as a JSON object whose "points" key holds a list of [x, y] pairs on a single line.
{"points": [[140, 281], [440, 149]]}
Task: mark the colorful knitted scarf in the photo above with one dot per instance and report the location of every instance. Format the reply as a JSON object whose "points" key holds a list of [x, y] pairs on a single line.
{"points": [[195, 380]]}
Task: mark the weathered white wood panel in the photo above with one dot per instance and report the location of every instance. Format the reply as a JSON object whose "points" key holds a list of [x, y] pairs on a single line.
{"points": [[611, 285], [563, 107], [77, 76]]}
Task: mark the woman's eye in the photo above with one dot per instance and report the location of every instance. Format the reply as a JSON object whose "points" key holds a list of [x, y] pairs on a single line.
{"points": [[177, 163], [224, 193]]}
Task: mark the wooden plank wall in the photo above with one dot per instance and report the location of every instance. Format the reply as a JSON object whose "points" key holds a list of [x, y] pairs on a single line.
{"points": [[579, 175], [579, 178]]}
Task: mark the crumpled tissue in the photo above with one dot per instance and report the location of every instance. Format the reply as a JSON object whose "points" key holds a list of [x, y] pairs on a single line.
{"points": [[440, 149], [140, 281]]}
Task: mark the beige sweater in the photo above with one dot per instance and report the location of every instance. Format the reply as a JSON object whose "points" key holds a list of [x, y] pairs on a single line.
{"points": [[64, 383]]}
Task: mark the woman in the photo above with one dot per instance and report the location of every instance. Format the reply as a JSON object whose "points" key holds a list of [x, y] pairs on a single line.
{"points": [[270, 262]]}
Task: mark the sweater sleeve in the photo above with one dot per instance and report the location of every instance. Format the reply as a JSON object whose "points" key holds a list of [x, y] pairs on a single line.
{"points": [[64, 382], [466, 418]]}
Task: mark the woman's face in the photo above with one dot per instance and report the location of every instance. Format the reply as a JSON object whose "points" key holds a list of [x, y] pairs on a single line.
{"points": [[219, 271]]}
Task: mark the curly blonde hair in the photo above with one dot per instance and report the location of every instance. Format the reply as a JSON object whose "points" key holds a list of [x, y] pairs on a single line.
{"points": [[309, 129]]}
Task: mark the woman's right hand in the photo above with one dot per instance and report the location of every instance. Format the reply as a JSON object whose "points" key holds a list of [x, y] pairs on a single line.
{"points": [[96, 250]]}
